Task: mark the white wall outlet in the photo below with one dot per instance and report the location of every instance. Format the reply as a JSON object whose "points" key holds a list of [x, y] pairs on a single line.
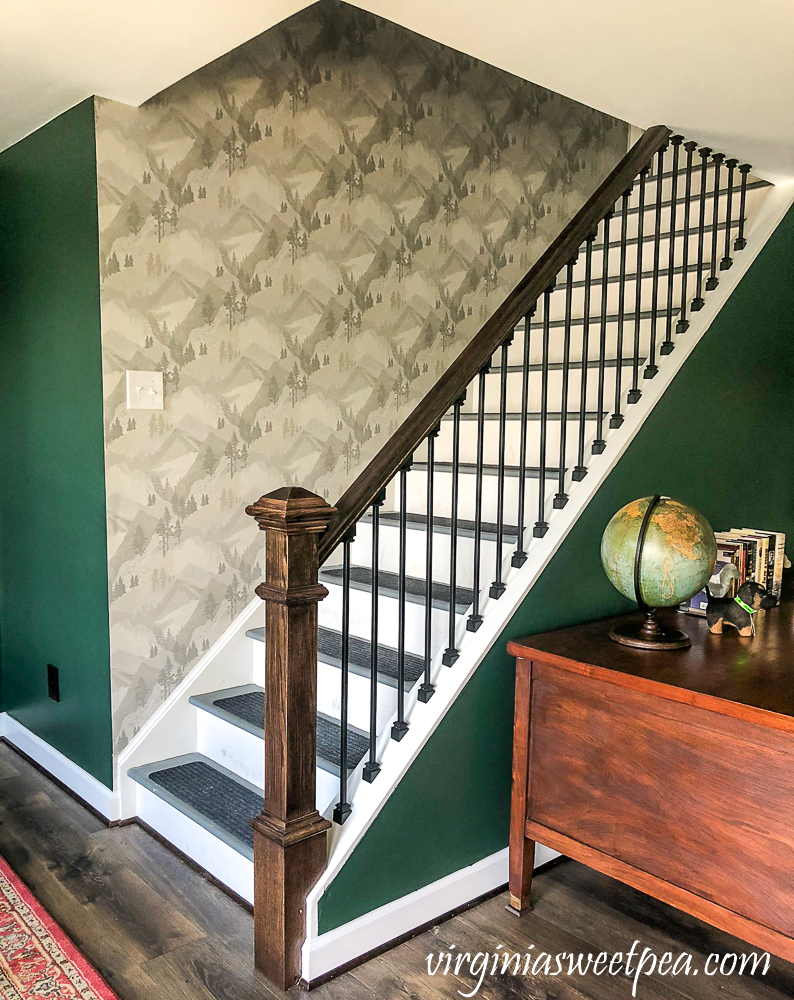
{"points": [[144, 390]]}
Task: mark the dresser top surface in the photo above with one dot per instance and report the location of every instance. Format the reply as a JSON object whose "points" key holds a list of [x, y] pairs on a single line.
{"points": [[757, 672]]}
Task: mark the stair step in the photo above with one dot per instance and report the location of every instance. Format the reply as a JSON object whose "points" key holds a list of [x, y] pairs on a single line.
{"points": [[470, 469], [629, 277], [207, 793], [650, 203], [361, 579], [552, 416], [329, 650], [557, 366], [443, 525], [245, 707], [649, 237], [611, 318], [359, 658]]}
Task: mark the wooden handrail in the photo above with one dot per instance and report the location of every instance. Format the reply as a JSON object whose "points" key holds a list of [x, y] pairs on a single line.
{"points": [[428, 413]]}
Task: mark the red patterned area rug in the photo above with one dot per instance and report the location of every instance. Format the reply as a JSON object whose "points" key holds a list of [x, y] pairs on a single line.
{"points": [[37, 960]]}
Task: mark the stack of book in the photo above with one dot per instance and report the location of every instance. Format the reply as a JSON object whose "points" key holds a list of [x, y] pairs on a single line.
{"points": [[743, 554]]}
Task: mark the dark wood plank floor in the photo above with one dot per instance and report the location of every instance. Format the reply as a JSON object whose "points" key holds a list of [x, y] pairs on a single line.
{"points": [[157, 930]]}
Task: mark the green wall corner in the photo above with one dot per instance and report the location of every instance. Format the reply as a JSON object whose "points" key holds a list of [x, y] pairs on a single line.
{"points": [[53, 548], [719, 439]]}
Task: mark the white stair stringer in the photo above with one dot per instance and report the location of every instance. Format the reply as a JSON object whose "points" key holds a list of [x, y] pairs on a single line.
{"points": [[393, 920], [173, 729]]}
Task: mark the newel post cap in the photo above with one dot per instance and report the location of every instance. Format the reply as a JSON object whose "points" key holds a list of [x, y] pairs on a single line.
{"points": [[291, 510]]}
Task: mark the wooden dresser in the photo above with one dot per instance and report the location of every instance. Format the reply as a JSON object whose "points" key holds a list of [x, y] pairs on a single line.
{"points": [[671, 771]]}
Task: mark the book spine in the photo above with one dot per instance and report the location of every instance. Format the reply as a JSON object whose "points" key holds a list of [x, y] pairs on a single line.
{"points": [[751, 547], [780, 558]]}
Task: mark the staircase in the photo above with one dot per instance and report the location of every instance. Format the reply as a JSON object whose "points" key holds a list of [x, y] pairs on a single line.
{"points": [[470, 498]]}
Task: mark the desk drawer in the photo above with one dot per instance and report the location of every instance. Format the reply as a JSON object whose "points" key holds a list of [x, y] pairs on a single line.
{"points": [[698, 799]]}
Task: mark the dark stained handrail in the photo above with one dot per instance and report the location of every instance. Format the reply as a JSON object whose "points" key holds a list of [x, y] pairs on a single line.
{"points": [[425, 417]]}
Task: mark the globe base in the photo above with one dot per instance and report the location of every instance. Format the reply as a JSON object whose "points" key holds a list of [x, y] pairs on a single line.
{"points": [[649, 634]]}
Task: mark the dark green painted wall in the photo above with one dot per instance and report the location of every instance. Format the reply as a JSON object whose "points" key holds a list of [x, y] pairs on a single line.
{"points": [[53, 558], [720, 439]]}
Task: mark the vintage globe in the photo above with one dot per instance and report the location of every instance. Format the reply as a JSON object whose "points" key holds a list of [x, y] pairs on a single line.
{"points": [[676, 554]]}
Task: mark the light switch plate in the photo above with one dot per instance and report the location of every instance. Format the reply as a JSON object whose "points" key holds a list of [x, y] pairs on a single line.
{"points": [[144, 390]]}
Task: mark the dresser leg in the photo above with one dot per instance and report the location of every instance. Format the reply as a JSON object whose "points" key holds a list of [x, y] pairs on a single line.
{"points": [[522, 851], [522, 864]]}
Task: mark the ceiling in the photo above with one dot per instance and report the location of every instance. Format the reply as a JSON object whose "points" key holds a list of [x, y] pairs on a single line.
{"points": [[720, 71]]}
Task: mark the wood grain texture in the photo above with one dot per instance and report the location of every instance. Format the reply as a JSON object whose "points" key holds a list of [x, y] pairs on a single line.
{"points": [[154, 928], [637, 767], [522, 850], [454, 382], [748, 678], [289, 834]]}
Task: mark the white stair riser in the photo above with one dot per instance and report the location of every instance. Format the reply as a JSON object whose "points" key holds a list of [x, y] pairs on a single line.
{"points": [[512, 447], [558, 296], [417, 495], [515, 386], [234, 748], [632, 220], [243, 754], [223, 862], [329, 697], [258, 656], [416, 549], [664, 242], [556, 354], [696, 183], [330, 615]]}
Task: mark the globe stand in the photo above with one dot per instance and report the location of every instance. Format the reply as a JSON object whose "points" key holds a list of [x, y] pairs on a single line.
{"points": [[647, 634]]}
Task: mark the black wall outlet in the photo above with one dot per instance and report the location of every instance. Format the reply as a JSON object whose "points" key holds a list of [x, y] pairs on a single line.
{"points": [[53, 684]]}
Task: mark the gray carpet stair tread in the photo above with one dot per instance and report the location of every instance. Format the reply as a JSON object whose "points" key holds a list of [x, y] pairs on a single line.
{"points": [[214, 795], [443, 525], [470, 469], [250, 707], [554, 416], [361, 579], [556, 366], [329, 650], [359, 656]]}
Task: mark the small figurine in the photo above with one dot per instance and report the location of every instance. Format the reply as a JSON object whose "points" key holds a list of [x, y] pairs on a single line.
{"points": [[738, 611]]}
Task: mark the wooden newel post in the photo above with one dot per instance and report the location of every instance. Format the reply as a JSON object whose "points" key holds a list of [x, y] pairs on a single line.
{"points": [[289, 834]]}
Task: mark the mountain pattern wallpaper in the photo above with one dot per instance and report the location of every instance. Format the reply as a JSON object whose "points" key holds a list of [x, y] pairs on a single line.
{"points": [[301, 236]]}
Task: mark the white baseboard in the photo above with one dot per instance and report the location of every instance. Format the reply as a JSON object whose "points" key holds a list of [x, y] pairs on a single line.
{"points": [[83, 784], [331, 951]]}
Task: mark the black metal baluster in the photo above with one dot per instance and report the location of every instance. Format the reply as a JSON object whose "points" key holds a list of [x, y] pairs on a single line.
{"points": [[713, 280], [740, 242], [652, 368], [451, 653], [617, 417], [342, 809], [683, 323], [561, 497], [497, 588], [520, 556], [400, 726], [372, 767], [727, 261], [580, 470], [668, 343], [475, 618], [426, 688], [698, 302], [541, 527], [635, 393], [599, 443]]}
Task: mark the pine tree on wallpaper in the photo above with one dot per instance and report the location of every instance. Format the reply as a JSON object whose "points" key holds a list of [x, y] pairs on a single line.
{"points": [[323, 219]]}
